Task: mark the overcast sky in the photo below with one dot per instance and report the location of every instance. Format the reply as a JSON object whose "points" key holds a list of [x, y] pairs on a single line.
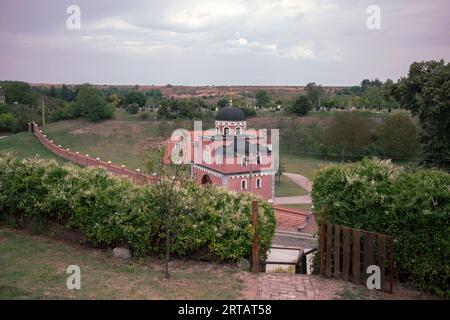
{"points": [[226, 42]]}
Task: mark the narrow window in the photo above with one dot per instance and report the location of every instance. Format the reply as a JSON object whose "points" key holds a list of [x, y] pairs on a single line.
{"points": [[244, 185]]}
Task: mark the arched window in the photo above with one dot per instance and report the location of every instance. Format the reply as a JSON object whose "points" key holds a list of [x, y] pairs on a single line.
{"points": [[206, 155], [226, 131], [218, 159], [258, 183], [243, 161], [244, 185], [238, 131], [258, 159]]}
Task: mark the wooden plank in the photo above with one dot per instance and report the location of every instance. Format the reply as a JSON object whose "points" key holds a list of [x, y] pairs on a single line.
{"points": [[346, 253], [322, 248], [367, 253], [329, 238], [337, 250], [356, 256], [382, 259]]}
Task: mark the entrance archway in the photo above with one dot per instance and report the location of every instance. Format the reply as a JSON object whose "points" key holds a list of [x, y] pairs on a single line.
{"points": [[206, 179]]}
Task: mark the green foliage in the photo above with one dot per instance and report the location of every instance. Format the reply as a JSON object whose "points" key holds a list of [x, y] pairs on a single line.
{"points": [[314, 93], [348, 136], [135, 97], [21, 92], [426, 92], [145, 115], [91, 103], [301, 106], [222, 103], [113, 211], [8, 123], [397, 137], [262, 99], [249, 112], [133, 108], [413, 207]]}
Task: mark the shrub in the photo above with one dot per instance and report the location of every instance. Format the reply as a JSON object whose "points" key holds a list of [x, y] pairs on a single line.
{"points": [[412, 206], [133, 108], [113, 211], [144, 115], [249, 112], [301, 106]]}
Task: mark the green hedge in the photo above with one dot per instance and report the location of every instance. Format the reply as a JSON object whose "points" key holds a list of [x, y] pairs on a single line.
{"points": [[412, 206], [113, 211]]}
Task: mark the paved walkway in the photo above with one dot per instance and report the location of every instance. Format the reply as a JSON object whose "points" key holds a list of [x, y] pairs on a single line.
{"points": [[302, 182], [277, 286]]}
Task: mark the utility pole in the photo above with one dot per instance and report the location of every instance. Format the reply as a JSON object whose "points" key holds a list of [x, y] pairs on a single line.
{"points": [[251, 173], [43, 112]]}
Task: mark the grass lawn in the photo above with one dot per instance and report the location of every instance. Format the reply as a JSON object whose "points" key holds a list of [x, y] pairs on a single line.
{"points": [[287, 188], [34, 267], [299, 164], [26, 145]]}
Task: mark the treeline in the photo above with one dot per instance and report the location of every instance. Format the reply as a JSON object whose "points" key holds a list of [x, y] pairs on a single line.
{"points": [[24, 103], [350, 136], [425, 92]]}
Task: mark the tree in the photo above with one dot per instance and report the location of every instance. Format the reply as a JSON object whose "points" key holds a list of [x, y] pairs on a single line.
{"points": [[52, 92], [8, 123], [135, 97], [348, 136], [222, 103], [67, 93], [397, 137], [172, 203], [116, 99], [21, 92], [301, 106], [133, 108], [314, 93], [262, 99], [91, 103], [426, 92]]}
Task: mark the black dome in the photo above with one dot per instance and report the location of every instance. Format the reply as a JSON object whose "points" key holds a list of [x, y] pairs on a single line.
{"points": [[230, 114]]}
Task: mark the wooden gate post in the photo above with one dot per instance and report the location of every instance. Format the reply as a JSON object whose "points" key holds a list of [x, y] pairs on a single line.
{"points": [[255, 253]]}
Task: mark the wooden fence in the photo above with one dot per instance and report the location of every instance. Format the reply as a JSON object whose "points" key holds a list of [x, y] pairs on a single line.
{"points": [[346, 253], [87, 161]]}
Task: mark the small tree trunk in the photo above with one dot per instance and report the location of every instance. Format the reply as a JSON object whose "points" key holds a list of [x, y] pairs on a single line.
{"points": [[166, 268]]}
